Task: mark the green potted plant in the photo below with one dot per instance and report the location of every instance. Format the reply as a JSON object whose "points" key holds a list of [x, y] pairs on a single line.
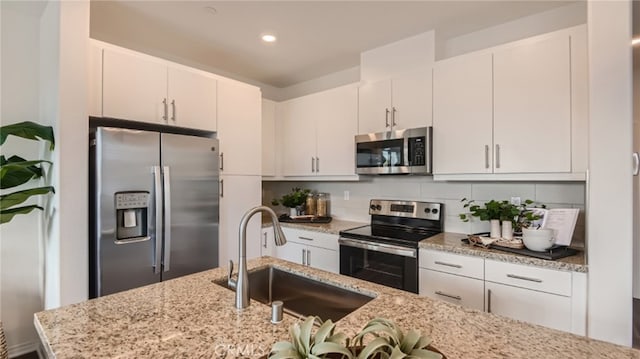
{"points": [[389, 341], [16, 171], [294, 201], [495, 212]]}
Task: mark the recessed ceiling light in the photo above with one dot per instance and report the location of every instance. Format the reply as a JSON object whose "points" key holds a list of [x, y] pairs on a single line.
{"points": [[635, 41], [268, 38]]}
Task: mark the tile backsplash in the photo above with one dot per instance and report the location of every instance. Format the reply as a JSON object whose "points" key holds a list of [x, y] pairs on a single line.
{"points": [[553, 194]]}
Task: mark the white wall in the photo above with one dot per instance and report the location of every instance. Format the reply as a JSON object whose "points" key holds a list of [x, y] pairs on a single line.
{"points": [[20, 240], [422, 188], [556, 19], [610, 190]]}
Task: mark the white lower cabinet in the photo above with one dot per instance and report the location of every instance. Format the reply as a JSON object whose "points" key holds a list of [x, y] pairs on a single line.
{"points": [[548, 297], [313, 249], [549, 310], [452, 288]]}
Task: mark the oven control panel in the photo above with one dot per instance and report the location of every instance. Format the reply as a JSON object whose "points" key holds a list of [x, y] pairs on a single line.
{"points": [[411, 209]]}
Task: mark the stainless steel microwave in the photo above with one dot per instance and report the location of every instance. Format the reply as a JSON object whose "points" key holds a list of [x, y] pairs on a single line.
{"points": [[394, 152]]}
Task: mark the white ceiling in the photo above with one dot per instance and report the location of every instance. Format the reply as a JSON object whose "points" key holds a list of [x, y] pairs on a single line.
{"points": [[315, 38]]}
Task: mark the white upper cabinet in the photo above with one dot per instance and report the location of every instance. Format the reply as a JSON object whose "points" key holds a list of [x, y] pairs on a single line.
{"points": [[269, 138], [192, 99], [532, 107], [463, 115], [398, 103], [139, 87], [134, 87], [318, 133], [239, 128], [518, 109]]}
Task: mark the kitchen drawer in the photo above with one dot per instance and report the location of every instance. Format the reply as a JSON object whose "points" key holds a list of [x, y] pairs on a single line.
{"points": [[468, 292], [311, 238], [536, 278], [452, 263]]}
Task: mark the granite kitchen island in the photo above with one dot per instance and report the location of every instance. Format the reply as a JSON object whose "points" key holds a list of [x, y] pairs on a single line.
{"points": [[192, 317]]}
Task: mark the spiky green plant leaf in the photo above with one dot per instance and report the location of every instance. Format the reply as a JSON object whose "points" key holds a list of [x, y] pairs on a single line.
{"points": [[7, 215], [14, 173], [320, 349], [15, 198], [377, 345], [29, 130]]}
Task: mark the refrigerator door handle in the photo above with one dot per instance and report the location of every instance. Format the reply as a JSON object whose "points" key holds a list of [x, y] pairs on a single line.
{"points": [[157, 185], [166, 179]]}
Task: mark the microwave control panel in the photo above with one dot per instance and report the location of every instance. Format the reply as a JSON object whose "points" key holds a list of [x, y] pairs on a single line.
{"points": [[417, 151]]}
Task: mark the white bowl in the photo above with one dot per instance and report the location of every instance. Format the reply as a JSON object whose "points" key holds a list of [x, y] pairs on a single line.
{"points": [[539, 240]]}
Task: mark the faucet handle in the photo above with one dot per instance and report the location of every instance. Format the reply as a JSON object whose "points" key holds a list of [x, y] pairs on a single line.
{"points": [[230, 282]]}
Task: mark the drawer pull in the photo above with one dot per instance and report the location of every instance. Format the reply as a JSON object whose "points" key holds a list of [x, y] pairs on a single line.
{"points": [[305, 238], [456, 297], [524, 278], [448, 264], [488, 300]]}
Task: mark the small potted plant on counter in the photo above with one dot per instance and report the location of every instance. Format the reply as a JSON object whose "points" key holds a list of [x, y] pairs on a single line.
{"points": [[493, 211], [294, 201], [389, 341]]}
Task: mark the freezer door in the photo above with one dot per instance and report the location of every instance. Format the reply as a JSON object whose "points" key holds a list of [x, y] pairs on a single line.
{"points": [[125, 162], [190, 175]]}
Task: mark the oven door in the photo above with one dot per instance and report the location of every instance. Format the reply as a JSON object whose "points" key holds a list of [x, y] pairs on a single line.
{"points": [[385, 264]]}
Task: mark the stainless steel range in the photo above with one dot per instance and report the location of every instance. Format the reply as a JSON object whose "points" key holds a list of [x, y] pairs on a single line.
{"points": [[386, 251]]}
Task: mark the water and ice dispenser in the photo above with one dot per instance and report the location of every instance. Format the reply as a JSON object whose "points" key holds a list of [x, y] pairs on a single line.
{"points": [[132, 209]]}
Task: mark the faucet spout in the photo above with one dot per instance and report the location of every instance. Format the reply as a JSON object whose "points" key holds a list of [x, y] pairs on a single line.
{"points": [[242, 283]]}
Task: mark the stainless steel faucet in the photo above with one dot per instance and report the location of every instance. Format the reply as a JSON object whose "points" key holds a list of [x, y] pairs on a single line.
{"points": [[241, 284]]}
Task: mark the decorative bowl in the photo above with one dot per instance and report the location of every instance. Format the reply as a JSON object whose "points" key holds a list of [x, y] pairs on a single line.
{"points": [[538, 240]]}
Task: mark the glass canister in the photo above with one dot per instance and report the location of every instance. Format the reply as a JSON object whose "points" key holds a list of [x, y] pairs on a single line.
{"points": [[310, 205], [322, 205]]}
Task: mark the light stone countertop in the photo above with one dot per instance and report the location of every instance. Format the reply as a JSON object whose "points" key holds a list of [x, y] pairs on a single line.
{"points": [[450, 242], [333, 227], [191, 317]]}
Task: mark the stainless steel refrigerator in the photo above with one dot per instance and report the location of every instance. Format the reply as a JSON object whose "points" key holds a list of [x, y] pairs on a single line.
{"points": [[154, 207]]}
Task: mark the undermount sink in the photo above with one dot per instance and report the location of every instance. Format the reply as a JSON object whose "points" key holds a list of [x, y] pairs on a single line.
{"points": [[302, 296]]}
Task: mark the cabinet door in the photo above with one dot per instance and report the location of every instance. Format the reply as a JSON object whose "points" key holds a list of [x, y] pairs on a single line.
{"points": [[411, 99], [463, 115], [467, 292], [374, 106], [268, 138], [239, 128], [337, 125], [134, 87], [324, 259], [267, 243], [292, 252], [549, 310], [192, 99], [237, 195], [532, 104], [299, 137]]}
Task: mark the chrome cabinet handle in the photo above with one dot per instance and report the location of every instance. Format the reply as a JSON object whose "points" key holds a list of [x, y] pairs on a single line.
{"points": [[305, 238], [304, 256], [264, 242], [221, 188], [317, 164], [386, 117], [636, 163], [393, 116], [173, 110], [157, 184], [221, 161], [488, 300], [486, 156], [524, 278], [313, 164], [497, 156], [456, 297], [166, 178], [166, 109], [448, 264], [308, 257]]}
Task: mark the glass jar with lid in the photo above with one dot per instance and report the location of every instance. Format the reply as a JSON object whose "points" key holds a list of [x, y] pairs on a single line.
{"points": [[322, 205], [310, 208]]}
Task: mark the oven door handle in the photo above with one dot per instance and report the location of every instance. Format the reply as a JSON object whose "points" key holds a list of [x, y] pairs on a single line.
{"points": [[379, 247]]}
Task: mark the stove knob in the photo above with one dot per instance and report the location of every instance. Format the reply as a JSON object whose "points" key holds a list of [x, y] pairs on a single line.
{"points": [[434, 211], [373, 207], [378, 207]]}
